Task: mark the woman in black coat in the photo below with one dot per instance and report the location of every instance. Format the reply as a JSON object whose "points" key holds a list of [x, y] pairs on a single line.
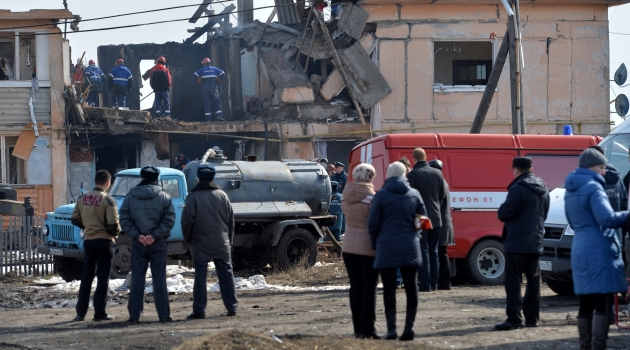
{"points": [[397, 244]]}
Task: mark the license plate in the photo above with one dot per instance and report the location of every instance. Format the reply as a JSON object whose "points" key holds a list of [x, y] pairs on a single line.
{"points": [[545, 265], [56, 251]]}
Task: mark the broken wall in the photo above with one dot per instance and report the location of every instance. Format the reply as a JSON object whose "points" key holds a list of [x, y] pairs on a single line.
{"points": [[566, 56], [181, 59]]}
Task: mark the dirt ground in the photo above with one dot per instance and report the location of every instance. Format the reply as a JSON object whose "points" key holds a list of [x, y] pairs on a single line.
{"points": [[462, 318]]}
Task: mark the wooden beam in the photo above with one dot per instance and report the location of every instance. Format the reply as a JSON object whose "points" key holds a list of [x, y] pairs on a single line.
{"points": [[339, 65], [491, 86], [211, 23], [200, 11], [297, 56], [513, 89]]}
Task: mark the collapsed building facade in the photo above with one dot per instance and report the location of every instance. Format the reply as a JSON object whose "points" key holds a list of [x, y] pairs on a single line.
{"points": [[412, 66]]}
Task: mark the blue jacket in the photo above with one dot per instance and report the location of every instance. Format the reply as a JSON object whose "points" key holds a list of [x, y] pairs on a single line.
{"points": [[341, 180], [120, 75], [391, 224], [209, 75], [95, 76], [335, 209], [595, 253]]}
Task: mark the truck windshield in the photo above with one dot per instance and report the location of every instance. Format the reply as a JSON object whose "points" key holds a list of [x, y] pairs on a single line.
{"points": [[123, 184]]}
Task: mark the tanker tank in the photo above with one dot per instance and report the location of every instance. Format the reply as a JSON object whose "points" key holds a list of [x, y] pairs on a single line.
{"points": [[267, 190]]}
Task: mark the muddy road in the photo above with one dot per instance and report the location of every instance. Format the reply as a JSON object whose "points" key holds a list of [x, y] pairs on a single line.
{"points": [[38, 315]]}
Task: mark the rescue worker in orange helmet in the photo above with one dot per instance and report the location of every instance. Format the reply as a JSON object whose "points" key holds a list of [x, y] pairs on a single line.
{"points": [[208, 76], [160, 80]]}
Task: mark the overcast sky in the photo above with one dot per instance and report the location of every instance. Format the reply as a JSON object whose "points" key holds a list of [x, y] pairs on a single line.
{"points": [[176, 31]]}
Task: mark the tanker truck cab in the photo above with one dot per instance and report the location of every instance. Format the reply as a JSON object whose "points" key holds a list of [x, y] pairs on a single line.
{"points": [[555, 263], [64, 241], [477, 169], [279, 209]]}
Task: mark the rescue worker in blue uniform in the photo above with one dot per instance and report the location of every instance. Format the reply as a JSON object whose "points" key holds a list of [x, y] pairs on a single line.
{"points": [[335, 209], [93, 77], [341, 177], [120, 81], [208, 76]]}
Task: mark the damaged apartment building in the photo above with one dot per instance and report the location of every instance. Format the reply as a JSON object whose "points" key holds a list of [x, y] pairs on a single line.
{"points": [[34, 68], [297, 89]]}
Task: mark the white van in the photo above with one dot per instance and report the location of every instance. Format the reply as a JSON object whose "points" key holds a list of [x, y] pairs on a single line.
{"points": [[555, 263]]}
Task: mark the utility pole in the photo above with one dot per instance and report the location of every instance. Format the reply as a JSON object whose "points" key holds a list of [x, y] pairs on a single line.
{"points": [[65, 21], [511, 45]]}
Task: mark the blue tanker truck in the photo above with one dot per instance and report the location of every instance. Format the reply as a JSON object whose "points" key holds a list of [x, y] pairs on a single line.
{"points": [[280, 209]]}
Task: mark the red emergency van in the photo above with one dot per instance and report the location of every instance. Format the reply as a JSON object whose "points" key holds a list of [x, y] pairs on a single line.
{"points": [[477, 169]]}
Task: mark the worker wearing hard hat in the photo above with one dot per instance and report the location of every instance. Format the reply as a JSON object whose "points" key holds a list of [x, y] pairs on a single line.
{"points": [[93, 78], [120, 82], [160, 80], [208, 76]]}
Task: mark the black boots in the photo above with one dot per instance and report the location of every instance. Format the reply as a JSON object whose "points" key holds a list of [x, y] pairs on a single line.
{"points": [[601, 324], [410, 318], [585, 327], [390, 317]]}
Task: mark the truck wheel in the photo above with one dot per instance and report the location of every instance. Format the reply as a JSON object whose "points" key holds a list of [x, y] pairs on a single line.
{"points": [[121, 264], [68, 268], [296, 245], [486, 263], [252, 259], [564, 288]]}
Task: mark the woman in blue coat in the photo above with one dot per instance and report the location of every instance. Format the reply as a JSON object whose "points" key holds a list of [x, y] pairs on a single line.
{"points": [[397, 243], [598, 271]]}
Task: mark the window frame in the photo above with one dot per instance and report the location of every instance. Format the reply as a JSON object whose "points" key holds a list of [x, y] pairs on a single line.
{"points": [[458, 63], [441, 88]]}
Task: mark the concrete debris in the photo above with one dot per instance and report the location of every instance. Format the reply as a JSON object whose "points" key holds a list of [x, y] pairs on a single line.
{"points": [[333, 85], [279, 70], [293, 95], [121, 115], [366, 79], [352, 21]]}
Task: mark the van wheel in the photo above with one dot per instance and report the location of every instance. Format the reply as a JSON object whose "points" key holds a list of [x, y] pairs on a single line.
{"points": [[252, 259], [296, 246], [68, 268], [564, 288], [486, 263], [121, 264]]}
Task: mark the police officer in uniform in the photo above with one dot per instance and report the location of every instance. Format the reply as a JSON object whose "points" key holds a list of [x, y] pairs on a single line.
{"points": [[208, 76], [341, 177], [148, 226], [335, 209]]}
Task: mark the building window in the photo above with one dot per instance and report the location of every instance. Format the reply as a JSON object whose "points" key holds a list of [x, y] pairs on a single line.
{"points": [[19, 56], [462, 63], [13, 169]]}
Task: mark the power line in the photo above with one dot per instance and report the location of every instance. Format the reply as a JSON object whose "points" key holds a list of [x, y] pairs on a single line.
{"points": [[115, 16], [618, 33], [152, 23]]}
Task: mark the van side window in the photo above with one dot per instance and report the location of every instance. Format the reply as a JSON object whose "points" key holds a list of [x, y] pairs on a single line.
{"points": [[616, 148], [553, 169]]}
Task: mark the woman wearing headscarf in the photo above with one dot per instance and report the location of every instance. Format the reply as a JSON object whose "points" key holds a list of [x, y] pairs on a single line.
{"points": [[358, 254], [397, 243], [595, 254]]}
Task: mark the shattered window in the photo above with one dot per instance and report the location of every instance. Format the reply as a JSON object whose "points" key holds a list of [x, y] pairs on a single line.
{"points": [[465, 63], [7, 56]]}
